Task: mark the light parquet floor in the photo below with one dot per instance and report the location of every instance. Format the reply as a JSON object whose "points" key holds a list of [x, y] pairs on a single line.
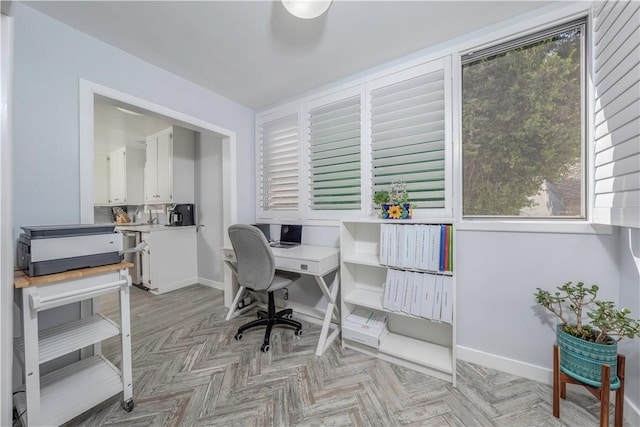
{"points": [[189, 371]]}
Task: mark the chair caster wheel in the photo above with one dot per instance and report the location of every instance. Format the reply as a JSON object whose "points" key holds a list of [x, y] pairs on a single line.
{"points": [[238, 336], [298, 332], [264, 348], [128, 405]]}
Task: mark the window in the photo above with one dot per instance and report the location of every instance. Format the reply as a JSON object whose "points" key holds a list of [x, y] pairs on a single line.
{"points": [[334, 155], [278, 165], [408, 133], [523, 126]]}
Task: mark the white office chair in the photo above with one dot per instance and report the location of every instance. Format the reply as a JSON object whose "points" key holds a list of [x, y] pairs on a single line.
{"points": [[255, 270]]}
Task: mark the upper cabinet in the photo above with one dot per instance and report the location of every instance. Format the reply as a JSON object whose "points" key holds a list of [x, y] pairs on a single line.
{"points": [[118, 178], [169, 168], [125, 176]]}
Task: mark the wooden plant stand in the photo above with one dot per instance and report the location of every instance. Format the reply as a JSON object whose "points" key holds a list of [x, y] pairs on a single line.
{"points": [[560, 381]]}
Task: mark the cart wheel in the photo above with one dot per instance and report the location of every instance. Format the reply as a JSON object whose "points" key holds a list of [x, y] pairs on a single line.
{"points": [[128, 405], [238, 336], [298, 332], [264, 348]]}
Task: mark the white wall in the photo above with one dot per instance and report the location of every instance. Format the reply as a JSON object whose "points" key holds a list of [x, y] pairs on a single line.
{"points": [[50, 58], [497, 274], [209, 208], [629, 267]]}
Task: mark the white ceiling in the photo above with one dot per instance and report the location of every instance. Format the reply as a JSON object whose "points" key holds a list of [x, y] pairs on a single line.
{"points": [[255, 53]]}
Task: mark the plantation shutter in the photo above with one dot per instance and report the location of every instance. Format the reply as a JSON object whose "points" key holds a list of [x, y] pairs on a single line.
{"points": [[279, 174], [334, 155], [617, 113], [408, 138]]}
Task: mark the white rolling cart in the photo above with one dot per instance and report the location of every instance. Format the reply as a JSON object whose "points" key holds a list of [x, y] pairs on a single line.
{"points": [[61, 395]]}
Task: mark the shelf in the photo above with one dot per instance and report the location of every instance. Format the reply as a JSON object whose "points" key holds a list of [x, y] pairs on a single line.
{"points": [[72, 390], [364, 259], [64, 339], [420, 352], [365, 298]]}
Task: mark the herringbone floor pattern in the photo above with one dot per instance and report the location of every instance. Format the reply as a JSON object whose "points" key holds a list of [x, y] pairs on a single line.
{"points": [[189, 371]]}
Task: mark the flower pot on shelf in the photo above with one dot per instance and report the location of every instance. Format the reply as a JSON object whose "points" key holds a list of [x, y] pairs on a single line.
{"points": [[582, 360], [396, 211]]}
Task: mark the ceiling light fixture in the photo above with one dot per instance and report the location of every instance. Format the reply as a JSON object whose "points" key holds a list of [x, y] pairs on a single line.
{"points": [[306, 9], [124, 110]]}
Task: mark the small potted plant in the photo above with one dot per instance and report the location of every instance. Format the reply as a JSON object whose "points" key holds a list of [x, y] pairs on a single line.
{"points": [[394, 204], [585, 347]]}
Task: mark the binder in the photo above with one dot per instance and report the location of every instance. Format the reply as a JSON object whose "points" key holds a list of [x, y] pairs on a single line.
{"points": [[434, 247], [409, 247], [427, 296], [447, 237], [398, 291], [388, 289], [437, 300], [383, 244], [407, 292], [391, 245], [446, 314], [416, 299], [399, 245], [450, 247], [442, 247], [422, 244]]}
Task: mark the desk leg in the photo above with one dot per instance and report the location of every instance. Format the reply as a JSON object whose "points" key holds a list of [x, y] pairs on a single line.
{"points": [[31, 360], [332, 307], [234, 304]]}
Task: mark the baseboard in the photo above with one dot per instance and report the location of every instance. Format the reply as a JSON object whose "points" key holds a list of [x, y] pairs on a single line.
{"points": [[173, 286], [504, 364], [533, 372], [211, 283]]}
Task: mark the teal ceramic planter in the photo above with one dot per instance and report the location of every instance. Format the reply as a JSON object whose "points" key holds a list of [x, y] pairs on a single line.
{"points": [[583, 360]]}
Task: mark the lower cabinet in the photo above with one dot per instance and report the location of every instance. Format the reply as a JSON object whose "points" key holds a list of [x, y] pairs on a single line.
{"points": [[419, 341], [170, 260]]}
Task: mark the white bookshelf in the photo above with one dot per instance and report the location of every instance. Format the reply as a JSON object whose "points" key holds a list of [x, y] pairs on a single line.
{"points": [[60, 395], [414, 342]]}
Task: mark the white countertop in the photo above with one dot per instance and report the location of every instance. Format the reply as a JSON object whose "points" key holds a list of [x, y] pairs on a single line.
{"points": [[145, 228]]}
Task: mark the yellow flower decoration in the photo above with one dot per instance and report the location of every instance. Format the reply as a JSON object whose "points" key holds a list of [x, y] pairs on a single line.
{"points": [[395, 211]]}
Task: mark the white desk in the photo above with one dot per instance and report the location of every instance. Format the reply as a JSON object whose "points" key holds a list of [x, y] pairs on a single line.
{"points": [[316, 261]]}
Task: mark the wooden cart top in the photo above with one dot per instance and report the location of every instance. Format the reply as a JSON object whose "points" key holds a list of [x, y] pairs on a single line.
{"points": [[21, 280]]}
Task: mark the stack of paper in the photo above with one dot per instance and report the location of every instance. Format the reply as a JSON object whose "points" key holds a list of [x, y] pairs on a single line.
{"points": [[368, 327]]}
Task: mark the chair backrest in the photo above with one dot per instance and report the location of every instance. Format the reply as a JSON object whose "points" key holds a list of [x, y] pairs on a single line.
{"points": [[255, 262]]}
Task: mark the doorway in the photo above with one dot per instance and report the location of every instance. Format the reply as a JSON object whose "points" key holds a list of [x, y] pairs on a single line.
{"points": [[212, 237]]}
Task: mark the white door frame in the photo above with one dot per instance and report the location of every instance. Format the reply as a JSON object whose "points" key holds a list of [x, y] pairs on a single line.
{"points": [[6, 221], [88, 90]]}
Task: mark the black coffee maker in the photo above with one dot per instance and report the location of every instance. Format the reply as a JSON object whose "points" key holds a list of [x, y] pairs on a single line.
{"points": [[182, 215]]}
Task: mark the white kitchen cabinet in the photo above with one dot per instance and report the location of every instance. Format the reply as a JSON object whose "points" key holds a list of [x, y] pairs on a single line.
{"points": [[169, 261], [118, 176], [169, 168], [423, 344], [125, 171], [101, 176]]}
